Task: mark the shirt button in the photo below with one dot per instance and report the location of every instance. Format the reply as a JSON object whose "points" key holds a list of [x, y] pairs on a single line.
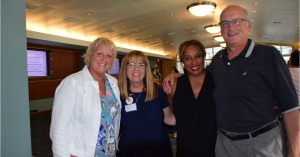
{"points": [[228, 63]]}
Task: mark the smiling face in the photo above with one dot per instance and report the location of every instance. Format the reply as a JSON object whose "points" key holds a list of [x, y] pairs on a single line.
{"points": [[135, 70], [101, 60], [193, 60], [238, 27]]}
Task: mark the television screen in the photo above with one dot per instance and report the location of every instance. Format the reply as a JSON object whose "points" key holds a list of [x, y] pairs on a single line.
{"points": [[115, 68], [36, 63]]}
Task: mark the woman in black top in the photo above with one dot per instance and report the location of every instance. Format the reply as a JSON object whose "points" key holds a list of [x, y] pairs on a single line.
{"points": [[193, 105]]}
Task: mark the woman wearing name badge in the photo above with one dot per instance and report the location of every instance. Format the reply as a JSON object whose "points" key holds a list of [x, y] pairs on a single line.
{"points": [[144, 111]]}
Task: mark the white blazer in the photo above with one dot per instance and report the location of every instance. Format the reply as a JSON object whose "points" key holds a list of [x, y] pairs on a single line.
{"points": [[76, 115]]}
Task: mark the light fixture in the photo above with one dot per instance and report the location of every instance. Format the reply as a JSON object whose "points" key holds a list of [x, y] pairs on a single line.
{"points": [[215, 28], [219, 38], [223, 44], [201, 8]]}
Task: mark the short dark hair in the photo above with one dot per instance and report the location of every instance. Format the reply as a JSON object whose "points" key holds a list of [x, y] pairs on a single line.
{"points": [[189, 43], [294, 58]]}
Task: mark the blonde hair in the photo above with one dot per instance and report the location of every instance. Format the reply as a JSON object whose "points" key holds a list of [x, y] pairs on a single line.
{"points": [[148, 79], [99, 42]]}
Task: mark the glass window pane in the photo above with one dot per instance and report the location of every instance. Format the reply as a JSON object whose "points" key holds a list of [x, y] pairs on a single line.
{"points": [[277, 47], [286, 58], [217, 49], [209, 50], [207, 62], [209, 55], [179, 65], [286, 50]]}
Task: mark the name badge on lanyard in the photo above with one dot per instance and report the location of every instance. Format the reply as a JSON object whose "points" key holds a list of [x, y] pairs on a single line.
{"points": [[130, 107]]}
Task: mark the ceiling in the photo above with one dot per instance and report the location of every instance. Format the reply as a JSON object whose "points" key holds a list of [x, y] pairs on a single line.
{"points": [[157, 25]]}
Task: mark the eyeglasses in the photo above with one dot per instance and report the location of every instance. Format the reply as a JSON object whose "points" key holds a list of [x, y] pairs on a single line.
{"points": [[234, 22], [189, 58], [131, 65]]}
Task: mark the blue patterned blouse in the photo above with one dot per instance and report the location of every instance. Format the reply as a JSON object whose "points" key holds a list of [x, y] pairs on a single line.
{"points": [[106, 143]]}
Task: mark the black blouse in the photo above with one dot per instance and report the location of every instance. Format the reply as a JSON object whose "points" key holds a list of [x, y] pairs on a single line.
{"points": [[195, 118]]}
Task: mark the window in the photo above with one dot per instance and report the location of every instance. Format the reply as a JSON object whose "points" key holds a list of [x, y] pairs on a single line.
{"points": [[285, 51], [179, 64], [210, 52]]}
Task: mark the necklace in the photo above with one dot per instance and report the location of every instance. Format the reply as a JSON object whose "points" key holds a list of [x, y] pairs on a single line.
{"points": [[136, 96], [136, 91]]}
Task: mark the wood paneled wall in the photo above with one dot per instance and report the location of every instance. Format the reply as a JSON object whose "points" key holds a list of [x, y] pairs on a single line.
{"points": [[39, 89], [167, 65]]}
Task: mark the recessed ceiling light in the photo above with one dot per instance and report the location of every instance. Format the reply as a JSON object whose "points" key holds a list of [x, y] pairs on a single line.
{"points": [[201, 8], [171, 33], [89, 13], [254, 3], [71, 19], [109, 30], [33, 5], [214, 28], [30, 7], [219, 38], [123, 34], [222, 44]]}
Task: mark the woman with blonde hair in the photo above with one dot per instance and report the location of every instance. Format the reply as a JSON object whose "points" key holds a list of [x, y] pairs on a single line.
{"points": [[145, 111], [87, 108]]}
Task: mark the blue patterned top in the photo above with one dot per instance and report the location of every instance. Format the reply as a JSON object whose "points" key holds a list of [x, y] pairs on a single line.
{"points": [[106, 143]]}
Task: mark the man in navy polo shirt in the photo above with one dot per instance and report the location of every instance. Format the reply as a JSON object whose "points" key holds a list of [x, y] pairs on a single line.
{"points": [[253, 87]]}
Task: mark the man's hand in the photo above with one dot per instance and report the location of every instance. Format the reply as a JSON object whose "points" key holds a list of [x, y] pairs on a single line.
{"points": [[169, 81]]}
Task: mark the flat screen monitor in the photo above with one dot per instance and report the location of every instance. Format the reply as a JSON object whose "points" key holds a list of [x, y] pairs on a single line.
{"points": [[115, 69], [36, 63]]}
